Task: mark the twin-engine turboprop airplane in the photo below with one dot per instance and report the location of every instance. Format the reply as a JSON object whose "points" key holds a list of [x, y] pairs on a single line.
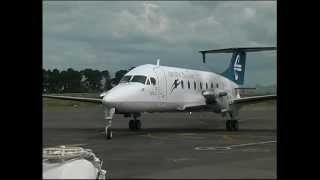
{"points": [[155, 88]]}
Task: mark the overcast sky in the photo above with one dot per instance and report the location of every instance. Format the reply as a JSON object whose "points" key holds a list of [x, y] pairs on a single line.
{"points": [[108, 35]]}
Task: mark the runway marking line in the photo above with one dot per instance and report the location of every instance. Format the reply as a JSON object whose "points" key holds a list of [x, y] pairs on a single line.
{"points": [[228, 137], [149, 135], [256, 150], [232, 146], [189, 136], [186, 134], [250, 144], [180, 135], [183, 159]]}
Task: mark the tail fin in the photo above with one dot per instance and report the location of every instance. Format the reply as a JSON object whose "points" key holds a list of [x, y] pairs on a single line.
{"points": [[236, 69]]}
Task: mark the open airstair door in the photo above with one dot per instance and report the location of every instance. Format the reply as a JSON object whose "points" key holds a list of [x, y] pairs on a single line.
{"points": [[161, 86]]}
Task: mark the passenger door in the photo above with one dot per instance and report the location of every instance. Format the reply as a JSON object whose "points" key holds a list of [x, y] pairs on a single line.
{"points": [[161, 87]]}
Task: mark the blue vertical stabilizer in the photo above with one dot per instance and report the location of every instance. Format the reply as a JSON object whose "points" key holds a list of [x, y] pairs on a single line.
{"points": [[236, 69]]}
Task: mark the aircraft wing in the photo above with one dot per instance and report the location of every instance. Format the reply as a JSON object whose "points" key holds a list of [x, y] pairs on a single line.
{"points": [[81, 99], [253, 99], [194, 107]]}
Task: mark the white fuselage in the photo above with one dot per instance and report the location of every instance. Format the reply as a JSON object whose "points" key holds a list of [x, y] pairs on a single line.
{"points": [[175, 90]]}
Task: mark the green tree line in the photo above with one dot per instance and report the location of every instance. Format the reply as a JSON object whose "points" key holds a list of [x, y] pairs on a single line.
{"points": [[84, 81]]}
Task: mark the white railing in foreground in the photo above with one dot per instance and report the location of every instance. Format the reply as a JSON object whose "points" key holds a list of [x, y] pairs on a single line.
{"points": [[65, 153]]}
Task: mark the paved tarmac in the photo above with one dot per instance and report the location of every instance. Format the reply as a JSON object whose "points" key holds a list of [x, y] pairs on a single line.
{"points": [[171, 145]]}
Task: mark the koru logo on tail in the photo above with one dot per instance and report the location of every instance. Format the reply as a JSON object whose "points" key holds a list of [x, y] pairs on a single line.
{"points": [[237, 66]]}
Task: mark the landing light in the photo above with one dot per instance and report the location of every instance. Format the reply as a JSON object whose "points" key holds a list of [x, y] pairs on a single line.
{"points": [[103, 94]]}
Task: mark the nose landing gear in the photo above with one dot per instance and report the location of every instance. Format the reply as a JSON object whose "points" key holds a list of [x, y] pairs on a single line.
{"points": [[232, 124], [108, 115]]}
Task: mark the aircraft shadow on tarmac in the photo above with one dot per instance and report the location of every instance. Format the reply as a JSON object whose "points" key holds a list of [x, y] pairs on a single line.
{"points": [[162, 130], [127, 132], [123, 132]]}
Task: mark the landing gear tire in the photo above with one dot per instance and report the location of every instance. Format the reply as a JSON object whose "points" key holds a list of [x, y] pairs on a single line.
{"points": [[232, 125], [235, 125], [228, 125], [134, 124], [131, 125], [137, 124], [108, 133]]}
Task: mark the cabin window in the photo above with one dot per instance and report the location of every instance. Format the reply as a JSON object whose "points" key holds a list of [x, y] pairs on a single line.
{"points": [[140, 79], [153, 81], [200, 85], [212, 85], [195, 85], [148, 82], [188, 84], [182, 84], [125, 79], [217, 85], [206, 85]]}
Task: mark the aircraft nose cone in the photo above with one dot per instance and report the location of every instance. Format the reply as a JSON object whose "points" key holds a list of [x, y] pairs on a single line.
{"points": [[115, 96], [121, 94], [110, 100]]}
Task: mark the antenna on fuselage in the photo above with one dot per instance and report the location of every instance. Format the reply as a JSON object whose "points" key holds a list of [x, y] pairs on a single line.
{"points": [[158, 62]]}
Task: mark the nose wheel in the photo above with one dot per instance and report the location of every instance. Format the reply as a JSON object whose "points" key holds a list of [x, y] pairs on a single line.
{"points": [[108, 133]]}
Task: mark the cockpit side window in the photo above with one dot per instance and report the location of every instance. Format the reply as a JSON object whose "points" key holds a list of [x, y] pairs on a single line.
{"points": [[125, 79], [148, 82], [139, 78], [153, 81]]}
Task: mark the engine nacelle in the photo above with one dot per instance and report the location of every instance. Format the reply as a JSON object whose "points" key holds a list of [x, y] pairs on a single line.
{"points": [[215, 100], [221, 94], [212, 97]]}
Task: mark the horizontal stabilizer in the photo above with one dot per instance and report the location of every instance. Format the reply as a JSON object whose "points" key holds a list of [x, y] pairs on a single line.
{"points": [[246, 49], [244, 88], [233, 50]]}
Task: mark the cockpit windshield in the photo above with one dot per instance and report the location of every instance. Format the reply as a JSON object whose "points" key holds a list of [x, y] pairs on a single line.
{"points": [[140, 79], [125, 79]]}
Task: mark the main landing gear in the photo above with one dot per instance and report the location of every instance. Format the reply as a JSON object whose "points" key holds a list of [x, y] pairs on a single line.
{"points": [[232, 124], [135, 124], [108, 115]]}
